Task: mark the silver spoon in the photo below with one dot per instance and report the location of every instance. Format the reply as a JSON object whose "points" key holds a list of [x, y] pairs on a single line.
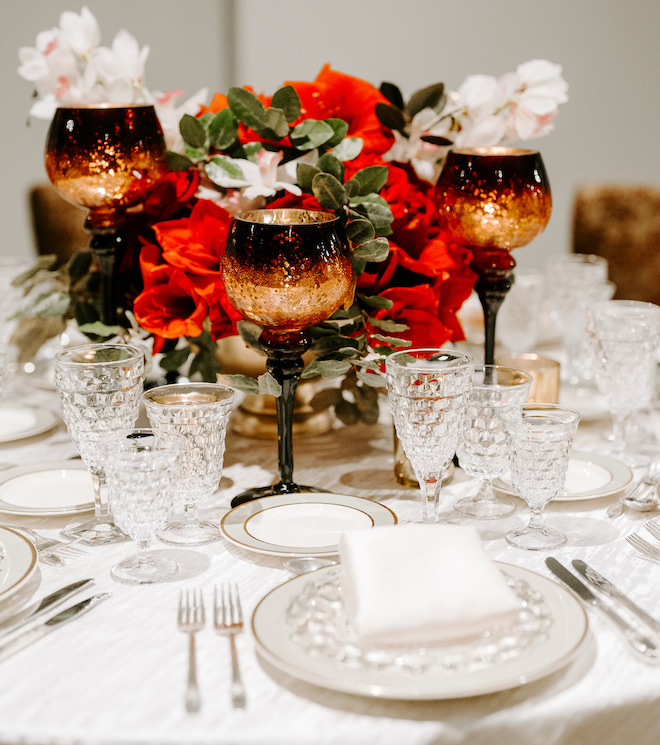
{"points": [[307, 564], [643, 498]]}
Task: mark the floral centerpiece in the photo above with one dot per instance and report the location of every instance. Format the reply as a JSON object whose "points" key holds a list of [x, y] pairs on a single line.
{"points": [[336, 143]]}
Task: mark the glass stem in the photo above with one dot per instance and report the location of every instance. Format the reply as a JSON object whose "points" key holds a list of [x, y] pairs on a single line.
{"points": [[430, 492], [485, 491], [536, 521], [619, 427], [101, 503], [143, 556], [190, 513]]}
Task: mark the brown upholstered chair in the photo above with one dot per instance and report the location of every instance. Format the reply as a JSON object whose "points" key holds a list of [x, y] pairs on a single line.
{"points": [[57, 225], [622, 223]]}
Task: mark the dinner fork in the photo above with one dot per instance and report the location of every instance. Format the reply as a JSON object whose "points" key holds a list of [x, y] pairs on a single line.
{"points": [[646, 549], [228, 620], [653, 528], [191, 619], [51, 550]]}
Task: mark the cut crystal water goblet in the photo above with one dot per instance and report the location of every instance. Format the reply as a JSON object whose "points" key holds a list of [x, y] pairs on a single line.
{"points": [[427, 390], [483, 448], [540, 437], [99, 388], [198, 414]]}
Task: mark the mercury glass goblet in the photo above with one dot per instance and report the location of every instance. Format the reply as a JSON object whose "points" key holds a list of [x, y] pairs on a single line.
{"points": [[141, 468], [428, 390], [198, 414], [106, 158], [540, 438], [99, 388], [286, 270], [493, 199], [625, 335], [483, 448]]}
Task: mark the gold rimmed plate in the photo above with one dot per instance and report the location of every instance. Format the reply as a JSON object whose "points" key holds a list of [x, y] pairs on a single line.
{"points": [[47, 489], [304, 524], [20, 422]]}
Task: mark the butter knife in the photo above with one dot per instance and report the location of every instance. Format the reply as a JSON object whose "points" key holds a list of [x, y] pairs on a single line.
{"points": [[603, 584], [32, 635], [641, 644], [49, 603]]}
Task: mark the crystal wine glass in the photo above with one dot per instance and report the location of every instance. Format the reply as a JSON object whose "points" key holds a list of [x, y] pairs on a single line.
{"points": [[286, 270], [427, 390], [625, 335], [99, 388], [106, 158], [492, 200], [483, 448], [141, 471], [197, 413], [540, 438]]}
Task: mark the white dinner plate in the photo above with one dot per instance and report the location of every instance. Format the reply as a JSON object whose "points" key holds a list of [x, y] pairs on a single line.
{"points": [[58, 488], [590, 476], [18, 563], [279, 646], [19, 422], [305, 524]]}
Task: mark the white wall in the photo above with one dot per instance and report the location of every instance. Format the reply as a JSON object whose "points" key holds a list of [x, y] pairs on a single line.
{"points": [[609, 50]]}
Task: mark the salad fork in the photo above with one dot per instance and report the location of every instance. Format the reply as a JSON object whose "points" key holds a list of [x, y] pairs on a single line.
{"points": [[653, 528], [51, 550], [191, 619], [228, 620], [646, 549]]}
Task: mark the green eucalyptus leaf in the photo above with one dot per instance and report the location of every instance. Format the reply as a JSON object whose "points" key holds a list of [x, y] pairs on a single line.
{"points": [[249, 332], [359, 265], [175, 359], [391, 117], [45, 304], [192, 131], [371, 179], [373, 251], [376, 301], [329, 164], [178, 162], [437, 140], [326, 368], [222, 168], [79, 265], [352, 189], [394, 341], [100, 329], [431, 97], [325, 398], [372, 379], [274, 125], [305, 175], [243, 383], [340, 128], [393, 94], [348, 149], [378, 214], [268, 385], [194, 154], [347, 413], [311, 134], [328, 191], [287, 99], [387, 325], [223, 130], [360, 231], [328, 344], [246, 107], [250, 150], [206, 364]]}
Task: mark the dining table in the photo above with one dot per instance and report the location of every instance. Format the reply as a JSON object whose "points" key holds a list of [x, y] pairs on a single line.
{"points": [[118, 673]]}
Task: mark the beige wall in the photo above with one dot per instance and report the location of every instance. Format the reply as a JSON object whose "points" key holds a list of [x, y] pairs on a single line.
{"points": [[609, 50]]}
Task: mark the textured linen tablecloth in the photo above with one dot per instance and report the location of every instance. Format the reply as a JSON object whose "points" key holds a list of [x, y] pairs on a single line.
{"points": [[117, 675]]}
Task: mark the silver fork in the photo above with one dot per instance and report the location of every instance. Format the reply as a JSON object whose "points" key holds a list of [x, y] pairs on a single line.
{"points": [[653, 528], [646, 549], [51, 550], [228, 620], [191, 619]]}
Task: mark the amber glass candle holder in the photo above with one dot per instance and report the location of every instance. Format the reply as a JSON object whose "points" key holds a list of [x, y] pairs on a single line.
{"points": [[107, 159], [286, 270], [493, 200]]}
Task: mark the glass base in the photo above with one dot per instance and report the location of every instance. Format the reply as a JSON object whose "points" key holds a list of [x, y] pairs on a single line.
{"points": [[485, 509], [95, 532], [535, 539], [144, 571], [181, 533]]}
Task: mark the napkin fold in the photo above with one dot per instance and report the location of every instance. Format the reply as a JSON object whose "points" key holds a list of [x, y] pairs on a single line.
{"points": [[421, 584]]}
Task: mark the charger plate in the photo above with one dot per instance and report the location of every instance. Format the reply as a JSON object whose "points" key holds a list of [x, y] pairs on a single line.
{"points": [[277, 645], [304, 524], [20, 422], [590, 476]]}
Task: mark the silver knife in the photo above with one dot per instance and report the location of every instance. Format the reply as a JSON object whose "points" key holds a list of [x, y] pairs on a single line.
{"points": [[640, 643], [49, 603], [34, 634], [603, 584]]}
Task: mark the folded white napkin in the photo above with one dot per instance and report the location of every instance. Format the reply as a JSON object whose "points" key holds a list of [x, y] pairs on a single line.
{"points": [[421, 584]]}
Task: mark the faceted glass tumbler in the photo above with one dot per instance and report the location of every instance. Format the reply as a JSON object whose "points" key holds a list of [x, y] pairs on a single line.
{"points": [[198, 413], [427, 390], [99, 388]]}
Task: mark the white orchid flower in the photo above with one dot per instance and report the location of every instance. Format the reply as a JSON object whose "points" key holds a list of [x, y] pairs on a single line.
{"points": [[261, 179], [423, 156], [121, 67], [169, 114], [232, 200], [81, 33]]}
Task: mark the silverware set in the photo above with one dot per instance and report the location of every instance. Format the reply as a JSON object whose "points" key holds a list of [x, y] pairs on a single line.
{"points": [[228, 621], [52, 551]]}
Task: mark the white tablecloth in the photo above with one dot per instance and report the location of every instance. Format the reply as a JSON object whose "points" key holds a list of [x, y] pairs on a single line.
{"points": [[118, 674]]}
